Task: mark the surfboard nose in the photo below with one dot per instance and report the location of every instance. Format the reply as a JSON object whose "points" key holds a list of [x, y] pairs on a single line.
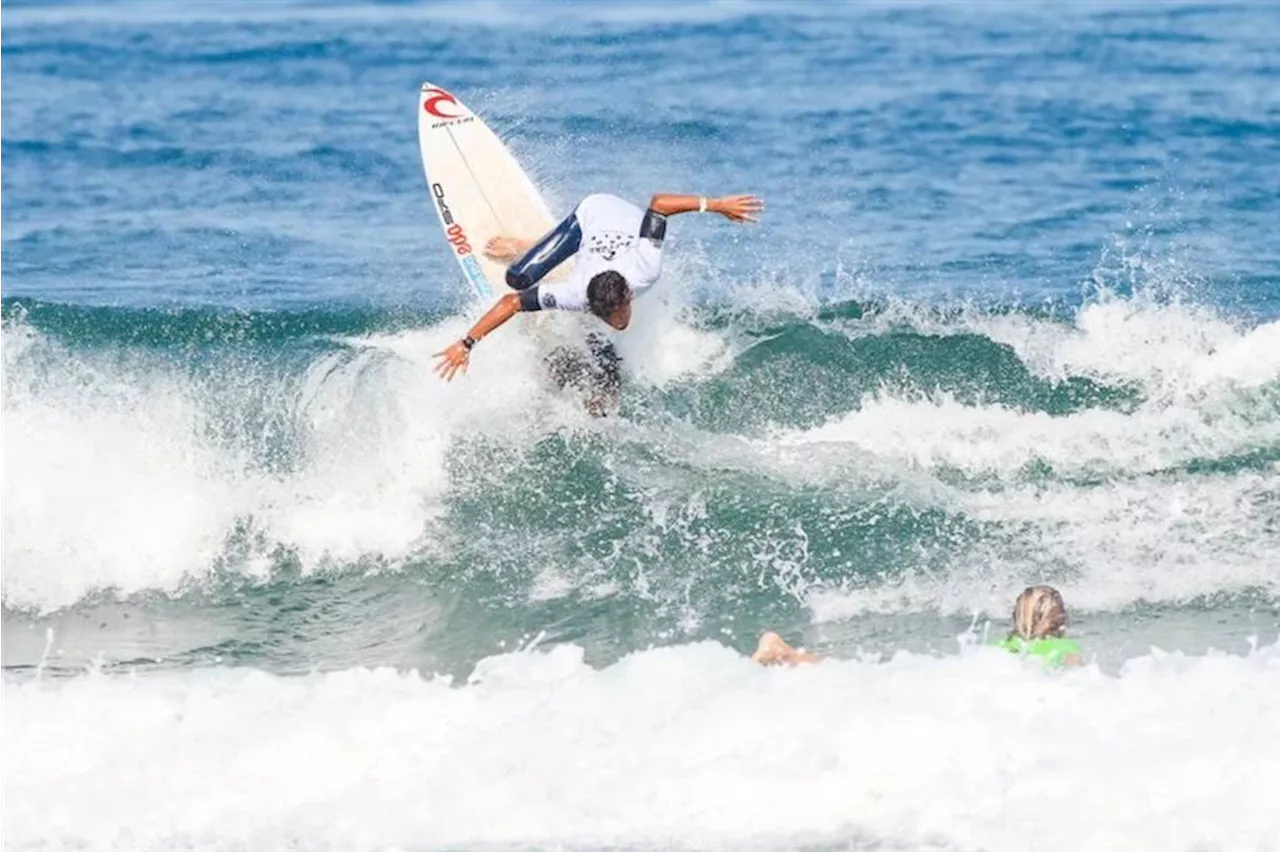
{"points": [[441, 104]]}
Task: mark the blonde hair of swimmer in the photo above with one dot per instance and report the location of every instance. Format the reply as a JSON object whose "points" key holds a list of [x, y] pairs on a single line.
{"points": [[1040, 613]]}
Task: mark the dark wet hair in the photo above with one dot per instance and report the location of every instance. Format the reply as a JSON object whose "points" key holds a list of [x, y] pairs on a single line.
{"points": [[607, 292]]}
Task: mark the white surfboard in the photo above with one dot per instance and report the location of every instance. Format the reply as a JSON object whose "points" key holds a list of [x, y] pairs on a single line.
{"points": [[477, 188]]}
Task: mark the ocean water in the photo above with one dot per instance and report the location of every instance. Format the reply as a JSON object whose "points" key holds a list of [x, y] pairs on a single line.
{"points": [[1012, 316]]}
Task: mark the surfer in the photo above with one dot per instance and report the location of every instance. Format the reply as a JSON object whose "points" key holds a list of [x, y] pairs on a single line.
{"points": [[619, 257]]}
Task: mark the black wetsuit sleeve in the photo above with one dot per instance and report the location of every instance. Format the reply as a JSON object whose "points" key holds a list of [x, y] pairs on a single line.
{"points": [[653, 227], [529, 299]]}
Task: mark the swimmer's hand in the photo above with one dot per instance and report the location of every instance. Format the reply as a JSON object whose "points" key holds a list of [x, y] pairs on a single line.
{"points": [[453, 359], [737, 208]]}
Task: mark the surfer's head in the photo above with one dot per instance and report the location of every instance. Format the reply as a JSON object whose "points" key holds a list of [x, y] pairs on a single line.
{"points": [[609, 297], [1039, 612]]}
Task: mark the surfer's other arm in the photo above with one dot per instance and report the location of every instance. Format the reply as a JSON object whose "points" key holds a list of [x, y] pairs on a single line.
{"points": [[458, 354], [735, 208]]}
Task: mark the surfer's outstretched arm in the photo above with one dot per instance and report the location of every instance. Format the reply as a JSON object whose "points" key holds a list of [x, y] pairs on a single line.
{"points": [[735, 208], [458, 354]]}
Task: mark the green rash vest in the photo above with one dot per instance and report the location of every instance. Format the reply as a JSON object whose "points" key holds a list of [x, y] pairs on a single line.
{"points": [[1052, 651]]}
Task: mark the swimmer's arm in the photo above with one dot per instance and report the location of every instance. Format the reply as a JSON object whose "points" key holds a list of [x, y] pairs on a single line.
{"points": [[457, 355], [735, 208], [772, 650]]}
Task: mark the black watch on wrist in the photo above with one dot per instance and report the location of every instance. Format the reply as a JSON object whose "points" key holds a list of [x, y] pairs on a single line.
{"points": [[468, 341]]}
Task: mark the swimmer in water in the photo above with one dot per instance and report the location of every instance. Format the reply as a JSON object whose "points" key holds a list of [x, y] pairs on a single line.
{"points": [[1040, 627], [1039, 630], [619, 257]]}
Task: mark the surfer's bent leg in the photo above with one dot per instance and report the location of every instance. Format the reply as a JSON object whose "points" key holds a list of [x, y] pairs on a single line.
{"points": [[555, 248], [593, 374], [607, 366]]}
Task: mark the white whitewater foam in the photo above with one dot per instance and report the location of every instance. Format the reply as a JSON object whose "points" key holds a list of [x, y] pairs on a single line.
{"points": [[118, 477], [1171, 350], [659, 348], [690, 746], [106, 481], [1128, 525], [994, 440]]}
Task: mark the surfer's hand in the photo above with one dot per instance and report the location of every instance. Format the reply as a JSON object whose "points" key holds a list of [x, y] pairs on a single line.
{"points": [[504, 249], [737, 208], [455, 358]]}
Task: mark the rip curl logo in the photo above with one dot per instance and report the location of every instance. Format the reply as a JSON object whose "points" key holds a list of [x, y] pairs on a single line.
{"points": [[437, 100], [548, 300]]}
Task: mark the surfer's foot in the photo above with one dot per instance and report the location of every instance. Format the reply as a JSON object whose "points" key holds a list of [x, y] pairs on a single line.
{"points": [[773, 650], [504, 249]]}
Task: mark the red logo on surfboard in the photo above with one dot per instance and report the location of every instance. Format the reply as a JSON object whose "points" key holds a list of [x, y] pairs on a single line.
{"points": [[437, 99], [453, 231]]}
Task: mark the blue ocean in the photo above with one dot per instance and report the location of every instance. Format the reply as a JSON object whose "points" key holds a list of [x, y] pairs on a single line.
{"points": [[1011, 317]]}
